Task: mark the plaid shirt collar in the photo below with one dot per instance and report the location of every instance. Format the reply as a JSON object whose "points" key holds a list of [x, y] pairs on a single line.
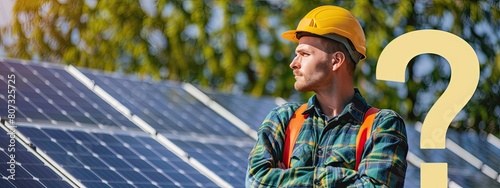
{"points": [[356, 108]]}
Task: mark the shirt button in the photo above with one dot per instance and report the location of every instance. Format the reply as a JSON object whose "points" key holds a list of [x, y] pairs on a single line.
{"points": [[320, 151], [317, 182]]}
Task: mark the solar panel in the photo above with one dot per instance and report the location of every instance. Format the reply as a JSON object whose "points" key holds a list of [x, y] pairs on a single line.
{"points": [[249, 109], [412, 176], [459, 170], [24, 169], [166, 106], [118, 159], [477, 146], [49, 94], [227, 159]]}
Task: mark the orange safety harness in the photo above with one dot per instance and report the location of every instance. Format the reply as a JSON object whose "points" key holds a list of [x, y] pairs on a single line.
{"points": [[298, 118]]}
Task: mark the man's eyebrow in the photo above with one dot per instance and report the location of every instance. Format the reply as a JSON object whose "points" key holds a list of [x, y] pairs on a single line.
{"points": [[301, 48]]}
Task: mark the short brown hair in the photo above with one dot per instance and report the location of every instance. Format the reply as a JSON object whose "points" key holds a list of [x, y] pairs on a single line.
{"points": [[332, 46]]}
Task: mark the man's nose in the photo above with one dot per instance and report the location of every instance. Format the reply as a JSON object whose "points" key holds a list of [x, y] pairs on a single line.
{"points": [[295, 64]]}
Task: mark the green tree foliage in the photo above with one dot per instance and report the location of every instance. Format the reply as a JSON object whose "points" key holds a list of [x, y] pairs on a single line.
{"points": [[235, 45]]}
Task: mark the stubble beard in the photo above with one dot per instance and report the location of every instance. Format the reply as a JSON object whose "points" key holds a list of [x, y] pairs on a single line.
{"points": [[303, 85], [314, 83]]}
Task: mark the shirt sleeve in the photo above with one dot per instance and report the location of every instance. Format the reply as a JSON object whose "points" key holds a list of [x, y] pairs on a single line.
{"points": [[383, 163], [384, 159]]}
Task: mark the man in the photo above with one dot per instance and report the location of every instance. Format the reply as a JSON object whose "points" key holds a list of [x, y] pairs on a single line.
{"points": [[330, 44]]}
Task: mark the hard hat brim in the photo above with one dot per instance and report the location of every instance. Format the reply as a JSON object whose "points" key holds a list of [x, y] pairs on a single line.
{"points": [[290, 35]]}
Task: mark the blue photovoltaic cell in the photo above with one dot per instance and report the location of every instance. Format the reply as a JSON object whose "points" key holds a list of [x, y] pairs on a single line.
{"points": [[412, 178], [166, 107], [459, 170], [29, 171], [250, 110], [227, 160], [49, 94], [477, 146], [100, 159]]}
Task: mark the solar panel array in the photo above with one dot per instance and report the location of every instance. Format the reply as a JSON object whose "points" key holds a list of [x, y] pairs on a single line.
{"points": [[110, 159], [180, 117], [92, 129], [167, 107], [55, 113]]}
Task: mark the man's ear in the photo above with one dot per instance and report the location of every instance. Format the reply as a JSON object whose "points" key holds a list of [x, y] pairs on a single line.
{"points": [[338, 59]]}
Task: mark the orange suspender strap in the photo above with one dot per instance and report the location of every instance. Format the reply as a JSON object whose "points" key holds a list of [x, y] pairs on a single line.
{"points": [[292, 132], [295, 124], [364, 133]]}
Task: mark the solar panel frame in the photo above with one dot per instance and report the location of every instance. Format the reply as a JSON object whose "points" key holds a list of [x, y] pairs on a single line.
{"points": [[249, 109], [29, 170]]}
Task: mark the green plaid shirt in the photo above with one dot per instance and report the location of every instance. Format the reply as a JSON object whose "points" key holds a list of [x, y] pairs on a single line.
{"points": [[324, 154]]}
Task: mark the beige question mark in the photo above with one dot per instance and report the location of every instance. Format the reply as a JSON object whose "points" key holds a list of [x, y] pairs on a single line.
{"points": [[464, 66]]}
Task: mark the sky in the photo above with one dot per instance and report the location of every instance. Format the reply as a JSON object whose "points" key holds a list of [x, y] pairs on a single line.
{"points": [[5, 16], [6, 12]]}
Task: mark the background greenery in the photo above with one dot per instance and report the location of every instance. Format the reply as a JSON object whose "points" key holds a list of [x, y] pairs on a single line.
{"points": [[235, 45]]}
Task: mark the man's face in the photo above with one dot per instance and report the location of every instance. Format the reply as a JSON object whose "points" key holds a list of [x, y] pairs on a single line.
{"points": [[312, 66]]}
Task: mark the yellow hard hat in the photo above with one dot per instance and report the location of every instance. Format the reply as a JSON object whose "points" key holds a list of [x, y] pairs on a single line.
{"points": [[335, 23]]}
